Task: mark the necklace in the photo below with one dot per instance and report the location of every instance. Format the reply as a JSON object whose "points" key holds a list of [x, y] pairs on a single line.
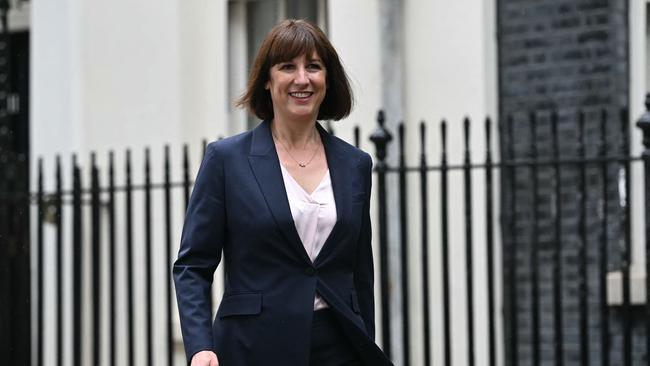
{"points": [[300, 164]]}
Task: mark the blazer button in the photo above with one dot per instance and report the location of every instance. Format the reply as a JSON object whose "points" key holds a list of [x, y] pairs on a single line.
{"points": [[310, 271]]}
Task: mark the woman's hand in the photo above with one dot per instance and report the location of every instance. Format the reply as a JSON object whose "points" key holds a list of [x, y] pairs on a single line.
{"points": [[205, 358]]}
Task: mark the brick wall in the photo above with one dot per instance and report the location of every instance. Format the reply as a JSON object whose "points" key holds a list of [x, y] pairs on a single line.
{"points": [[562, 55]]}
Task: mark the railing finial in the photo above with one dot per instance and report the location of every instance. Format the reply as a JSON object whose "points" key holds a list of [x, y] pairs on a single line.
{"points": [[381, 137], [644, 124]]}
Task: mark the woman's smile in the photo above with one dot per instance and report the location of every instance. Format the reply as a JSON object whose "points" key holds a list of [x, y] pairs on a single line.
{"points": [[301, 95]]}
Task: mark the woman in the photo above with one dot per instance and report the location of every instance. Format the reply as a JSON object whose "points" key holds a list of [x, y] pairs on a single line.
{"points": [[288, 205]]}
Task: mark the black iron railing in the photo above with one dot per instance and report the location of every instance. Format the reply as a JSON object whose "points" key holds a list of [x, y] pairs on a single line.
{"points": [[524, 318], [98, 203]]}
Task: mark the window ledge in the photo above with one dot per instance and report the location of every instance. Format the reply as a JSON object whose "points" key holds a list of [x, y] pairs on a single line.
{"points": [[615, 288]]}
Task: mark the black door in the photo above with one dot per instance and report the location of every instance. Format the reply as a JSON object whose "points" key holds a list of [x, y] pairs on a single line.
{"points": [[15, 285]]}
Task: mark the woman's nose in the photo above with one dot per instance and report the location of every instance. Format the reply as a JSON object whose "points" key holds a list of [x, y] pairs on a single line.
{"points": [[301, 76]]}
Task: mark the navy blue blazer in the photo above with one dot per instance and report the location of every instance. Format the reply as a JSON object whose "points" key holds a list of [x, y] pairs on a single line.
{"points": [[239, 207]]}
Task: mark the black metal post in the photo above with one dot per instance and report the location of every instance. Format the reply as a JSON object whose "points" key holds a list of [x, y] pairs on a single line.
{"points": [[168, 257], [489, 235], [95, 249], [111, 259], [186, 176], [357, 136], [404, 265], [77, 232], [129, 258], [147, 256], [58, 218], [469, 250], [444, 212], [381, 137], [424, 222]]}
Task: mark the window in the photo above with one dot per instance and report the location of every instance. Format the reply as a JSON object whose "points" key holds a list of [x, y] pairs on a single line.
{"points": [[249, 21]]}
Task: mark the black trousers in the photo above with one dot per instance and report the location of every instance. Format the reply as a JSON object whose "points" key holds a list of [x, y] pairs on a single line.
{"points": [[329, 345]]}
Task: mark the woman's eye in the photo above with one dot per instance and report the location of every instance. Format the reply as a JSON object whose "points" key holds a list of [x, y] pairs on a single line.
{"points": [[286, 67], [315, 66]]}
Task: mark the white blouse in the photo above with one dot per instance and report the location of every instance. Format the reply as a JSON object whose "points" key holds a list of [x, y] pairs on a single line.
{"points": [[313, 214]]}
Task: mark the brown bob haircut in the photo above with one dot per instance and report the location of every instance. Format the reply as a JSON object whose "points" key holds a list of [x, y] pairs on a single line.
{"points": [[287, 40]]}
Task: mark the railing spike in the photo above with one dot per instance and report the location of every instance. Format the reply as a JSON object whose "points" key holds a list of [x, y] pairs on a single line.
{"points": [[466, 125], [423, 133]]}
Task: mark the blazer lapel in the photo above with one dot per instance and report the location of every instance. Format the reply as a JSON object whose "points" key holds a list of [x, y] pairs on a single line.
{"points": [[264, 162], [338, 165]]}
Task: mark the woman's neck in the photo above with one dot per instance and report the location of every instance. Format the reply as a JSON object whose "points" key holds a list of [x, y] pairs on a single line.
{"points": [[295, 133]]}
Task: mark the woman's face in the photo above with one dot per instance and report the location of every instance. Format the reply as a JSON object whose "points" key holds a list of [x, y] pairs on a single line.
{"points": [[297, 87]]}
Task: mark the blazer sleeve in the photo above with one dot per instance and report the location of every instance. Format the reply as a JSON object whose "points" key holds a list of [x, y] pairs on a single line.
{"points": [[364, 269], [200, 252]]}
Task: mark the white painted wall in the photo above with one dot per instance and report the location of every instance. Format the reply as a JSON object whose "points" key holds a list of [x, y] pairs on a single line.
{"points": [[639, 62], [450, 73], [131, 86], [353, 30], [203, 69], [54, 123], [125, 74], [55, 79]]}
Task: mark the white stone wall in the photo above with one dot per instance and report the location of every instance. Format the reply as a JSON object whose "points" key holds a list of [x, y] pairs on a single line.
{"points": [[124, 75], [639, 56], [450, 73], [127, 74]]}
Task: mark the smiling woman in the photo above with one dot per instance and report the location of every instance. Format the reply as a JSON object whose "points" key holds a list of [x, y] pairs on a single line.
{"points": [[249, 22], [297, 87], [284, 44], [287, 205]]}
